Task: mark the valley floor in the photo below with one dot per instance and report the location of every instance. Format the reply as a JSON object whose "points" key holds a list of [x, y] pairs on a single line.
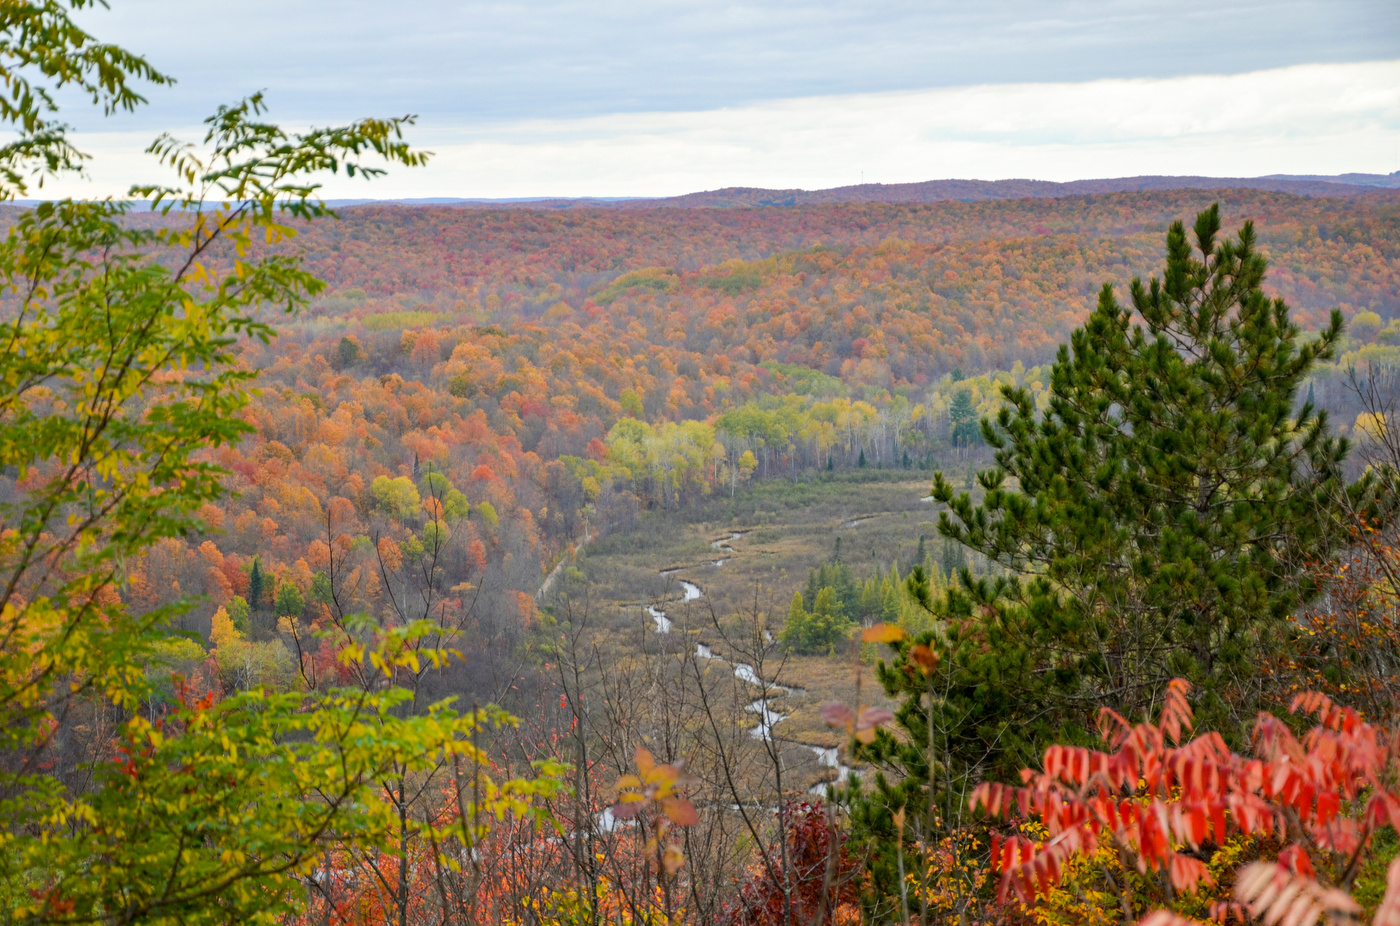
{"points": [[711, 588]]}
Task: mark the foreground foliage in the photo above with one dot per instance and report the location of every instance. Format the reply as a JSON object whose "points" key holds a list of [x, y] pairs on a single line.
{"points": [[1158, 803]]}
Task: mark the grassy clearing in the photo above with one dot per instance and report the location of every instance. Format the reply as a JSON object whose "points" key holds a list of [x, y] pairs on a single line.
{"points": [[786, 527]]}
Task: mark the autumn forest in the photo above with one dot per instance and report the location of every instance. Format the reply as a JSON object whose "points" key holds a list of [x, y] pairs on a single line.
{"points": [[717, 560], [570, 371]]}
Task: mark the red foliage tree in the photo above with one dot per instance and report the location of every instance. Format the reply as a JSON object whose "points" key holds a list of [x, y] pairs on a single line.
{"points": [[1159, 802], [821, 886]]}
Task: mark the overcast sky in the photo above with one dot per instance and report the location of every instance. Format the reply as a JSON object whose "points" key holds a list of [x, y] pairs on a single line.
{"points": [[627, 98]]}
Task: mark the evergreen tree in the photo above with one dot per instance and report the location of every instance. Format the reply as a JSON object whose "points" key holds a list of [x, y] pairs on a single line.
{"points": [[1155, 521], [889, 597], [809, 591], [795, 629], [830, 625], [845, 587], [257, 594], [818, 630], [838, 577], [347, 354], [962, 420], [954, 557], [861, 462], [1174, 490], [872, 600]]}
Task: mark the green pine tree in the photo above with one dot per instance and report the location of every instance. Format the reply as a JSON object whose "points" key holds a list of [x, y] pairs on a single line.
{"points": [[819, 630], [257, 594], [962, 420], [837, 576], [809, 591], [872, 600], [829, 624], [1175, 490], [889, 597], [347, 354], [1156, 521], [954, 557]]}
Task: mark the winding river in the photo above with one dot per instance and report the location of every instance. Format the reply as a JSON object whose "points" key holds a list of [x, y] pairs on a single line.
{"points": [[768, 717]]}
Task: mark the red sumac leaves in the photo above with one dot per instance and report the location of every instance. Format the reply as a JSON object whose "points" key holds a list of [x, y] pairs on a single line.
{"points": [[1160, 804]]}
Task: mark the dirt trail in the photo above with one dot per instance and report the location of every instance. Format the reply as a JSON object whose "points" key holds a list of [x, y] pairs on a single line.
{"points": [[543, 591]]}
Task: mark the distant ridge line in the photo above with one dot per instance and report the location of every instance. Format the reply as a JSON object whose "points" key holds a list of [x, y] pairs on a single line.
{"points": [[932, 191], [928, 191], [975, 190]]}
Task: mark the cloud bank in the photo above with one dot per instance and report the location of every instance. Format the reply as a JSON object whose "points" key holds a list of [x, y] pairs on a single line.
{"points": [[466, 62], [1313, 119]]}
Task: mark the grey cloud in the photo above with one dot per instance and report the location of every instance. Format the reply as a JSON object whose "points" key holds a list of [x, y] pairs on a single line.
{"points": [[476, 63]]}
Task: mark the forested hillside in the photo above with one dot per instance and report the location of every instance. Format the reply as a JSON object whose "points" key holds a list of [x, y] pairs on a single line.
{"points": [[568, 371], [519, 255]]}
